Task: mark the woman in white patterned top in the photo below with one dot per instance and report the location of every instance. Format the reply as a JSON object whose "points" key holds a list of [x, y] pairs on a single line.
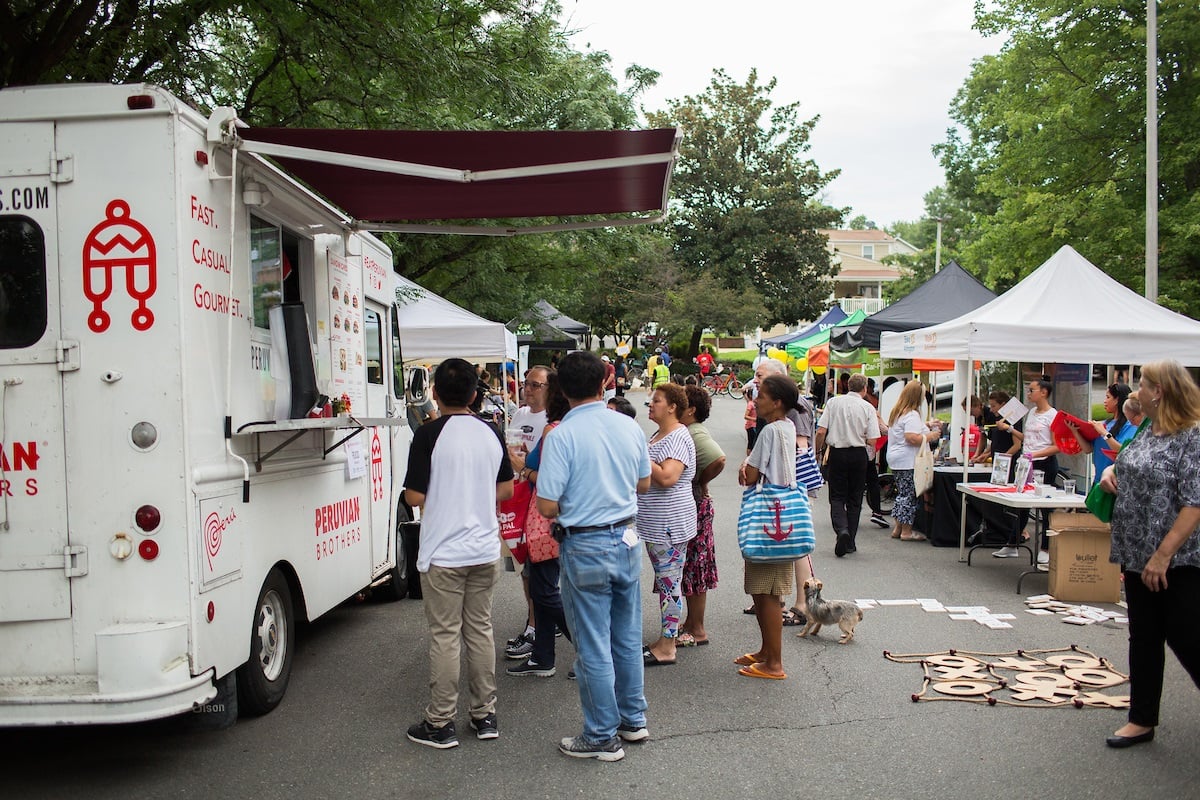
{"points": [[666, 518], [773, 459], [1154, 538]]}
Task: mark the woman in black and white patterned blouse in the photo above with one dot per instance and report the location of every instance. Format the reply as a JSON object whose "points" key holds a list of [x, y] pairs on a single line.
{"points": [[1154, 539]]}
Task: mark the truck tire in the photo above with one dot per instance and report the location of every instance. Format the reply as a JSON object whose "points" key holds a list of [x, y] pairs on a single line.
{"points": [[263, 679], [397, 586]]}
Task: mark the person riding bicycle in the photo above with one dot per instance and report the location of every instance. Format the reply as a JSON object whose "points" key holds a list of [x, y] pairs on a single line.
{"points": [[705, 362]]}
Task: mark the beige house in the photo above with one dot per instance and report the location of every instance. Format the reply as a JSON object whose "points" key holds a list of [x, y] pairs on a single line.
{"points": [[859, 272], [858, 255]]}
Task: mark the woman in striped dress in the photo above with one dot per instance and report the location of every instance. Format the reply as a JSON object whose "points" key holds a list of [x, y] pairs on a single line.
{"points": [[666, 519]]}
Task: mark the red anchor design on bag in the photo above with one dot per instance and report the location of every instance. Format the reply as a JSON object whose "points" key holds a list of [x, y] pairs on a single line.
{"points": [[778, 534]]}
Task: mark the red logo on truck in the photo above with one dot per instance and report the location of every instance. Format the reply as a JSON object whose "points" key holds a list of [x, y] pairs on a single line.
{"points": [[376, 466], [119, 243]]}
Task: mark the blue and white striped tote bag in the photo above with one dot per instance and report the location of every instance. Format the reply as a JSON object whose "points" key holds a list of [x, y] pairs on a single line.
{"points": [[775, 523]]}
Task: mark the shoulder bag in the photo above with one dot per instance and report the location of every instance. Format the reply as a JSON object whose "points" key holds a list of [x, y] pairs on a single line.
{"points": [[923, 469], [775, 524], [513, 514], [541, 544], [808, 473]]}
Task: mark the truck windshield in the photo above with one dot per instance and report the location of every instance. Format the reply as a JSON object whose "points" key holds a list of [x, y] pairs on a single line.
{"points": [[22, 282]]}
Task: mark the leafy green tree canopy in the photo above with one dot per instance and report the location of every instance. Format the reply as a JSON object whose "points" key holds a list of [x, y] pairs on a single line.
{"points": [[745, 199], [1052, 143]]}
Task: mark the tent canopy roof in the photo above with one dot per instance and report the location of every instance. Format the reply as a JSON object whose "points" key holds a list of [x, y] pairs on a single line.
{"points": [[800, 347], [1065, 311], [434, 329], [952, 291], [387, 179], [560, 320], [830, 318]]}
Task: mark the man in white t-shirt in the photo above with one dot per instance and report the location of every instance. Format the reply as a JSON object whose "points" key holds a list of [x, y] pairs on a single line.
{"points": [[849, 426], [528, 422], [525, 431], [457, 471]]}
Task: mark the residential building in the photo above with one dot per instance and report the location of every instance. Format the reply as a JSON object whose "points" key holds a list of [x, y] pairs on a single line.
{"points": [[858, 256]]}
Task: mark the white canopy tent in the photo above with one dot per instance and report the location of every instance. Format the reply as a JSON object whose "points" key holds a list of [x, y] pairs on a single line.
{"points": [[1067, 311], [434, 329]]}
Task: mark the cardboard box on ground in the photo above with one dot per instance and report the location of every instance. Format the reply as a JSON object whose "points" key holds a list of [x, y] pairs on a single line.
{"points": [[1079, 565]]}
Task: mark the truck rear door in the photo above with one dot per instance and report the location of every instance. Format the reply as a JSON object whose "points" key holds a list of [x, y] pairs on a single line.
{"points": [[37, 560]]}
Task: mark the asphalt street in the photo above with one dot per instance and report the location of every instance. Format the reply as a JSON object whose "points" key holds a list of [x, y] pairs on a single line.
{"points": [[842, 726]]}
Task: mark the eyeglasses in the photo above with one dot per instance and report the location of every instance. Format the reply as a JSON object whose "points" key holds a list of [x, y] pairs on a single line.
{"points": [[534, 385]]}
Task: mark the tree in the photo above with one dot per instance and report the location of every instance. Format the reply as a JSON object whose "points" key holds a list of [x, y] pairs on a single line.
{"points": [[433, 64], [916, 268], [745, 209], [861, 223], [1053, 147]]}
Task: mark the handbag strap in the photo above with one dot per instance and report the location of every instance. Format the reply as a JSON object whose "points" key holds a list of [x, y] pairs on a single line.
{"points": [[781, 453]]}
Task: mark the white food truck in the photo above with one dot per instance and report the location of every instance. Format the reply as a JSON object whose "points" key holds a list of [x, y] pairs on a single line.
{"points": [[175, 494], [168, 511]]}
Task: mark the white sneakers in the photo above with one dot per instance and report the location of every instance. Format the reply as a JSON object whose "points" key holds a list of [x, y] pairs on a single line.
{"points": [[1043, 558]]}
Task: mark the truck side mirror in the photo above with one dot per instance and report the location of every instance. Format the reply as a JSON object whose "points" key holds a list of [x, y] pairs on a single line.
{"points": [[418, 384]]}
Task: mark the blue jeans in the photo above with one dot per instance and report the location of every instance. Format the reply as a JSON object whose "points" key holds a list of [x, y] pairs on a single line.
{"points": [[601, 593]]}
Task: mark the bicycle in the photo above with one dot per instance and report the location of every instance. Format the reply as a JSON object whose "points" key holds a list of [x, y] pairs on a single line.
{"points": [[727, 383]]}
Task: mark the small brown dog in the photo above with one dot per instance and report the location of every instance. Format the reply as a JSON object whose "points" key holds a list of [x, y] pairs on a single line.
{"points": [[843, 613]]}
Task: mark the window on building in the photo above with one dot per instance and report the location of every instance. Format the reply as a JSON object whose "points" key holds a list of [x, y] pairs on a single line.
{"points": [[22, 282], [868, 251]]}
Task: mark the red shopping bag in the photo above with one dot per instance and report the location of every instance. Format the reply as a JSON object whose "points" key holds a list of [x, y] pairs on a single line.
{"points": [[1060, 428], [512, 514]]}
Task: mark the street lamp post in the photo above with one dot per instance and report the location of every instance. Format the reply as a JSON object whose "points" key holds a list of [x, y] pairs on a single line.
{"points": [[937, 250], [1152, 150]]}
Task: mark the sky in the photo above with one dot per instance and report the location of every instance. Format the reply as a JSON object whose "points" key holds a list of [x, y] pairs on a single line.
{"points": [[880, 73]]}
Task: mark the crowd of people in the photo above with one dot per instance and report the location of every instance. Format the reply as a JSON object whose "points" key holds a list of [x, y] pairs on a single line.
{"points": [[609, 494]]}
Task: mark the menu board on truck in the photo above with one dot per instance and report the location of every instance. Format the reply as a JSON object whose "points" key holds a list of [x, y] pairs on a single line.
{"points": [[348, 373]]}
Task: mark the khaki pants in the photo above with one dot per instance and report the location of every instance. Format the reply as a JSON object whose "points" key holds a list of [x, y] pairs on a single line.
{"points": [[458, 608]]}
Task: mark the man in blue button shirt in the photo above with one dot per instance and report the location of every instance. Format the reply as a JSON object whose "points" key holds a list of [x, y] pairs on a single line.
{"points": [[594, 464]]}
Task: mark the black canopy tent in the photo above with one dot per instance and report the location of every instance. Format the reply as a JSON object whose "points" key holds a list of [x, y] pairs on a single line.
{"points": [[950, 293]]}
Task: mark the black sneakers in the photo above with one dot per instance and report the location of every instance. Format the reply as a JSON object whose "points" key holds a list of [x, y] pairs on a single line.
{"points": [[519, 647], [843, 545], [879, 520], [486, 728], [529, 667], [442, 738], [577, 747]]}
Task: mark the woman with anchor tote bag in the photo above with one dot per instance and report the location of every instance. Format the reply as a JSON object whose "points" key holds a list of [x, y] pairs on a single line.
{"points": [[775, 522]]}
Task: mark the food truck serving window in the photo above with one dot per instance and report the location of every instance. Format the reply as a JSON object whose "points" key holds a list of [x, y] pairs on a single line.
{"points": [[373, 342], [22, 282], [266, 268]]}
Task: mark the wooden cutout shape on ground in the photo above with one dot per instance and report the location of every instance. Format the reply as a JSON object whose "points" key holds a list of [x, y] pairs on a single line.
{"points": [[1043, 686], [1095, 677], [1019, 664], [953, 668], [964, 688], [1101, 700], [1075, 661], [1036, 678]]}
